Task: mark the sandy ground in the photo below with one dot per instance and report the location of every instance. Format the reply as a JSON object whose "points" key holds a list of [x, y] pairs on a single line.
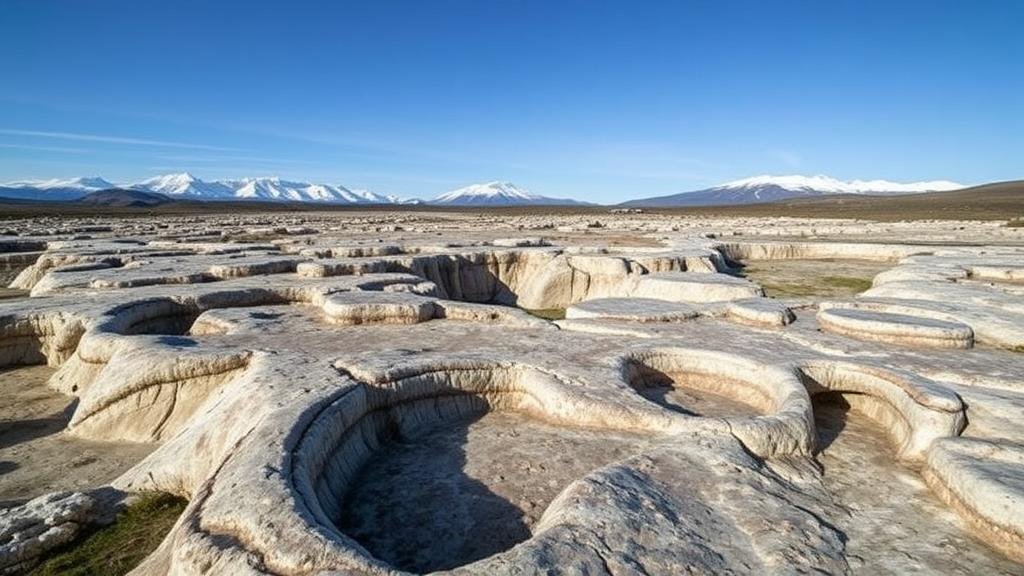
{"points": [[696, 402], [36, 456], [895, 524], [828, 278], [467, 490]]}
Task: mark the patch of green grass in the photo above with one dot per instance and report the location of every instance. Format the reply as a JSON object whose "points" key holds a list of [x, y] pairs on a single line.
{"points": [[121, 546], [853, 284], [547, 313], [789, 289], [823, 286]]}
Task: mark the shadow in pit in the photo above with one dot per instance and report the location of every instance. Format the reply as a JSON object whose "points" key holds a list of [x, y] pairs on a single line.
{"points": [[414, 506], [14, 432], [831, 413], [674, 393], [656, 386], [660, 395]]}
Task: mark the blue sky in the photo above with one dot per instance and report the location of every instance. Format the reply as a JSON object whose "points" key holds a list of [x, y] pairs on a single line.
{"points": [[601, 101]]}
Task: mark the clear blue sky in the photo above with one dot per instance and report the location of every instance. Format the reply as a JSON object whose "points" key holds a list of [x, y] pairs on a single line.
{"points": [[601, 101]]}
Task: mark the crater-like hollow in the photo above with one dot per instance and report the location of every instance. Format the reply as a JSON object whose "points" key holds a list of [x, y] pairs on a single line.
{"points": [[830, 277], [693, 388], [45, 338], [162, 317], [913, 412], [442, 468], [893, 523], [466, 489], [171, 317], [545, 281], [37, 455]]}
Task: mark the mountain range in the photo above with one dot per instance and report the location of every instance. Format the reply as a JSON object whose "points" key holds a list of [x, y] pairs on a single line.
{"points": [[55, 190], [760, 189], [184, 186]]}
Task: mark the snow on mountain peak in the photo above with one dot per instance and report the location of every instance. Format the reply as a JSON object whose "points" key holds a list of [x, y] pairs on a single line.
{"points": [[496, 193], [774, 188], [826, 184], [187, 185], [491, 191], [265, 188], [182, 184], [85, 183]]}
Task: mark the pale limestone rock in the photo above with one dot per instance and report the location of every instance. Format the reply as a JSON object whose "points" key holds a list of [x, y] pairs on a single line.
{"points": [[28, 531], [899, 329], [759, 312], [983, 481], [634, 309], [273, 375]]}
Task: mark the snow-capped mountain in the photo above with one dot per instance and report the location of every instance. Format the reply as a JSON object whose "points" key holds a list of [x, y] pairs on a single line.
{"points": [[267, 189], [496, 194], [277, 190], [90, 183], [55, 189], [184, 185], [773, 188]]}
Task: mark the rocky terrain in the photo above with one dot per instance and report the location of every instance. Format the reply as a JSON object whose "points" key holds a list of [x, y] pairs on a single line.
{"points": [[387, 392]]}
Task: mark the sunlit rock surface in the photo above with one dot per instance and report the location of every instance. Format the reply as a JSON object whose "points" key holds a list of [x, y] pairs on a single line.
{"points": [[373, 393]]}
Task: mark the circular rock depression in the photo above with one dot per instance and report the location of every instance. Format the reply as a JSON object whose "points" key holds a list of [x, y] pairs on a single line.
{"points": [[766, 406], [435, 468]]}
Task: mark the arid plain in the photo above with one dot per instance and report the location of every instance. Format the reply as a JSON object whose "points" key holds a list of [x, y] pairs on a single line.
{"points": [[519, 393]]}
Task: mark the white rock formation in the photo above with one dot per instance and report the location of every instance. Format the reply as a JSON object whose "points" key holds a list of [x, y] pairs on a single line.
{"points": [[672, 423], [39, 525]]}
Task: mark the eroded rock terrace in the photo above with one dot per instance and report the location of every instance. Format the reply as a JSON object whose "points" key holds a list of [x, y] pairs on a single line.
{"points": [[378, 393]]}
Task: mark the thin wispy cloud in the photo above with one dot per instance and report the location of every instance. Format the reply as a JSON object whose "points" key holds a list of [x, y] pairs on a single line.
{"points": [[114, 139], [44, 148]]}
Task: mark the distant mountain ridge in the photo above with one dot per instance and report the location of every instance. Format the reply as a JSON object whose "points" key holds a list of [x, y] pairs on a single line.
{"points": [[498, 194], [271, 189], [774, 188], [122, 197], [55, 189], [185, 186]]}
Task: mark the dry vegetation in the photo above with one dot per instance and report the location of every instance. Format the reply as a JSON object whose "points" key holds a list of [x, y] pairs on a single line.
{"points": [[802, 278], [116, 549]]}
